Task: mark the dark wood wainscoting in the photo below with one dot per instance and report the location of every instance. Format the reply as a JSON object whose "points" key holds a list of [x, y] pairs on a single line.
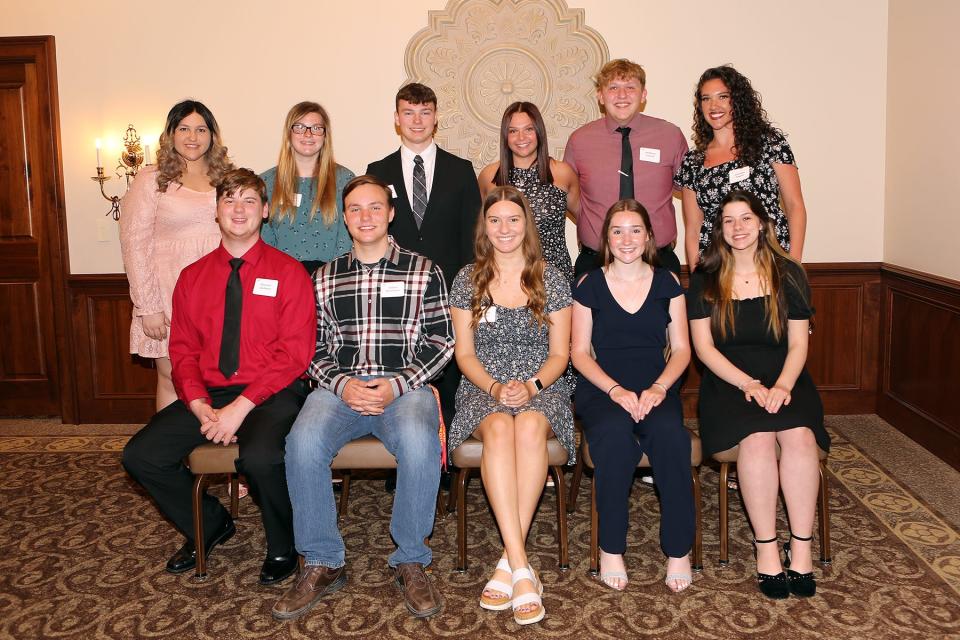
{"points": [[920, 384], [843, 358], [112, 385]]}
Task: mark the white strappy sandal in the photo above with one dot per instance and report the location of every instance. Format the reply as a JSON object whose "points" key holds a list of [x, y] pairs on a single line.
{"points": [[500, 587], [535, 615]]}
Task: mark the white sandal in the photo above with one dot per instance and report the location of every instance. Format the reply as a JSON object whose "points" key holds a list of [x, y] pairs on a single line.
{"points": [[535, 615], [497, 586]]}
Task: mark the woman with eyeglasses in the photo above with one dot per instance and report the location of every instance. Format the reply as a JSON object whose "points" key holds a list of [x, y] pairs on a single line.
{"points": [[169, 221], [305, 190]]}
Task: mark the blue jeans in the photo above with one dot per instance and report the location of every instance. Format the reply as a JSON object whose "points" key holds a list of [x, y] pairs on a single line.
{"points": [[407, 428]]}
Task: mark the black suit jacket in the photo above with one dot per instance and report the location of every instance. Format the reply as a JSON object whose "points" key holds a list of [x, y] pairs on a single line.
{"points": [[446, 236]]}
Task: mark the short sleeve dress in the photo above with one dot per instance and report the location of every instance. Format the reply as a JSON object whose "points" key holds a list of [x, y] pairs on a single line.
{"points": [[549, 205], [726, 417], [629, 347], [302, 238], [160, 234], [711, 185], [511, 346]]}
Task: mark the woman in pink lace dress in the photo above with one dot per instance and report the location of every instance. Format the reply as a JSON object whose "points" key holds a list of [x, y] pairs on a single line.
{"points": [[168, 222]]}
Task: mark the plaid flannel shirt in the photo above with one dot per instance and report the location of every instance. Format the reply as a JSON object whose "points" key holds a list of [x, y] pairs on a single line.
{"points": [[387, 320]]}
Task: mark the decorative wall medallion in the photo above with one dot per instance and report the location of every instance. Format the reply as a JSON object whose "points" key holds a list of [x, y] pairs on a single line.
{"points": [[481, 55]]}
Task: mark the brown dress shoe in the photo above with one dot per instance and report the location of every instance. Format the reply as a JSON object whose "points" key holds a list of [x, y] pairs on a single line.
{"points": [[313, 583], [418, 593]]}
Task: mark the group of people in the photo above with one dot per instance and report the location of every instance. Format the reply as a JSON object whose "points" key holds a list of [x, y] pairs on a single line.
{"points": [[295, 311]]}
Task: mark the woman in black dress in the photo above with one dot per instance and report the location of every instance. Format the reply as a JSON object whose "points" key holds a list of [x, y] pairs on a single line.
{"points": [[749, 307], [628, 396]]}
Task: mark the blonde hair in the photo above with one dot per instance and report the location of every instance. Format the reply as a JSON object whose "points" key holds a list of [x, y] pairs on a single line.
{"points": [[620, 68], [485, 266], [282, 202], [171, 165]]}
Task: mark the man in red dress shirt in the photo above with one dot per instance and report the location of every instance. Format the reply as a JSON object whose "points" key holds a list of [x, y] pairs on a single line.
{"points": [[242, 334]]}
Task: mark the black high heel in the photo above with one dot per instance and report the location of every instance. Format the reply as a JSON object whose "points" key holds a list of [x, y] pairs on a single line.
{"points": [[776, 587], [802, 585]]}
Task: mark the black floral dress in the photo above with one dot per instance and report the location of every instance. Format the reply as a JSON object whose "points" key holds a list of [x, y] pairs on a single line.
{"points": [[712, 184], [549, 205], [511, 346]]}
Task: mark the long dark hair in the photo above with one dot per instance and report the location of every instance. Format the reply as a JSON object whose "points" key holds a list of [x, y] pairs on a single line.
{"points": [[750, 121], [506, 156], [770, 260], [170, 165]]}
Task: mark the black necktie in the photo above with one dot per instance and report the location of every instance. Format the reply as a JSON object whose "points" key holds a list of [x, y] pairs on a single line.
{"points": [[419, 190], [626, 164], [232, 306]]}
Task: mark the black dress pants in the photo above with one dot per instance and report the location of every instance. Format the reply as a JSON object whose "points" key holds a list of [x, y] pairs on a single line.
{"points": [[154, 457]]}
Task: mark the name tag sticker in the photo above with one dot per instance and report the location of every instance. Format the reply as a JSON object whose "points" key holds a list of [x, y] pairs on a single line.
{"points": [[392, 290], [490, 315], [296, 199], [647, 154], [737, 175], [265, 287], [393, 192]]}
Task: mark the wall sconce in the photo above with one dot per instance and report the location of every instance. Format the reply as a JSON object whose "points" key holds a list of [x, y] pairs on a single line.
{"points": [[129, 163]]}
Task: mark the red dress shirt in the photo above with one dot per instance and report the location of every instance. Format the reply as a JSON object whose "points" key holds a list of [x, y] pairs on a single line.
{"points": [[278, 324], [594, 152]]}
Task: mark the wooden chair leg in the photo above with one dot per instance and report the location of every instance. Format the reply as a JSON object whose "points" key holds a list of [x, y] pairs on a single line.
{"points": [[234, 494], [561, 517], [698, 538], [824, 517], [594, 531], [724, 505], [344, 492], [452, 496], [462, 478], [575, 481], [198, 539]]}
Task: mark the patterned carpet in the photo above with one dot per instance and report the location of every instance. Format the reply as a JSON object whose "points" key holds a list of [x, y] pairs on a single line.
{"points": [[82, 553]]}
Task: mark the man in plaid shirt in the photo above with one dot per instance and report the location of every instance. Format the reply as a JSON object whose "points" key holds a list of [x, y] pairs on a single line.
{"points": [[383, 331]]}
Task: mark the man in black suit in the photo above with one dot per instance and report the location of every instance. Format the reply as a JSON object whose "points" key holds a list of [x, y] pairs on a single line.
{"points": [[437, 200]]}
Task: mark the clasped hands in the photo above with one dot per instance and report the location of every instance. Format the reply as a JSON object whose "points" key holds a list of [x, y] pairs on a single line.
{"points": [[513, 394], [638, 406], [368, 397], [220, 426], [155, 325], [770, 399]]}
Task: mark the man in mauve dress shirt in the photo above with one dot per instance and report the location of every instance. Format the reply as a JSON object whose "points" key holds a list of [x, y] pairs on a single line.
{"points": [[595, 151], [274, 313]]}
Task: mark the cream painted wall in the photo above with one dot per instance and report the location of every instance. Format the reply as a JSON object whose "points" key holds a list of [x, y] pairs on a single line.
{"points": [[923, 100], [820, 65]]}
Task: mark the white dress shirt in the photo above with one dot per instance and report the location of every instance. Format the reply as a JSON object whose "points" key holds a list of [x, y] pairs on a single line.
{"points": [[429, 156]]}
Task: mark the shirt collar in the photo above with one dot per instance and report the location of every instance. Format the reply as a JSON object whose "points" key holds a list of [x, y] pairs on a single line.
{"points": [[392, 254], [612, 125], [427, 154], [252, 255]]}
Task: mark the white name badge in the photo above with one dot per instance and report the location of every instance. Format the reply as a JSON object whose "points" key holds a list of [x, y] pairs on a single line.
{"points": [[736, 175], [296, 200], [265, 287], [490, 315], [647, 154], [393, 192], [392, 290]]}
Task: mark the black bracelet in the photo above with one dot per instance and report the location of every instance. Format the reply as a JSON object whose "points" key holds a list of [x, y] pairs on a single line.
{"points": [[612, 388], [490, 390]]}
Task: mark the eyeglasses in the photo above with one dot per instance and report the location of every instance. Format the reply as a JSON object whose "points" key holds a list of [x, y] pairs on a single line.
{"points": [[316, 129]]}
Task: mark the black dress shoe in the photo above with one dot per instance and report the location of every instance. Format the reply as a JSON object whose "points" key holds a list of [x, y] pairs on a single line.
{"points": [[186, 556], [774, 587], [278, 568], [802, 585]]}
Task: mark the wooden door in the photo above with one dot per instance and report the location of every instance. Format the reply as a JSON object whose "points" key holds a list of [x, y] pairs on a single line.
{"points": [[32, 233]]}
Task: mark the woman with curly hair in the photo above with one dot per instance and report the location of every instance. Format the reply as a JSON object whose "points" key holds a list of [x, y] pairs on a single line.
{"points": [[749, 310], [511, 317], [736, 147], [169, 221], [305, 190], [550, 186]]}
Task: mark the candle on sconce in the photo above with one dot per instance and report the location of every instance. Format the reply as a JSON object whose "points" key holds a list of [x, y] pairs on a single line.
{"points": [[99, 164], [146, 156]]}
